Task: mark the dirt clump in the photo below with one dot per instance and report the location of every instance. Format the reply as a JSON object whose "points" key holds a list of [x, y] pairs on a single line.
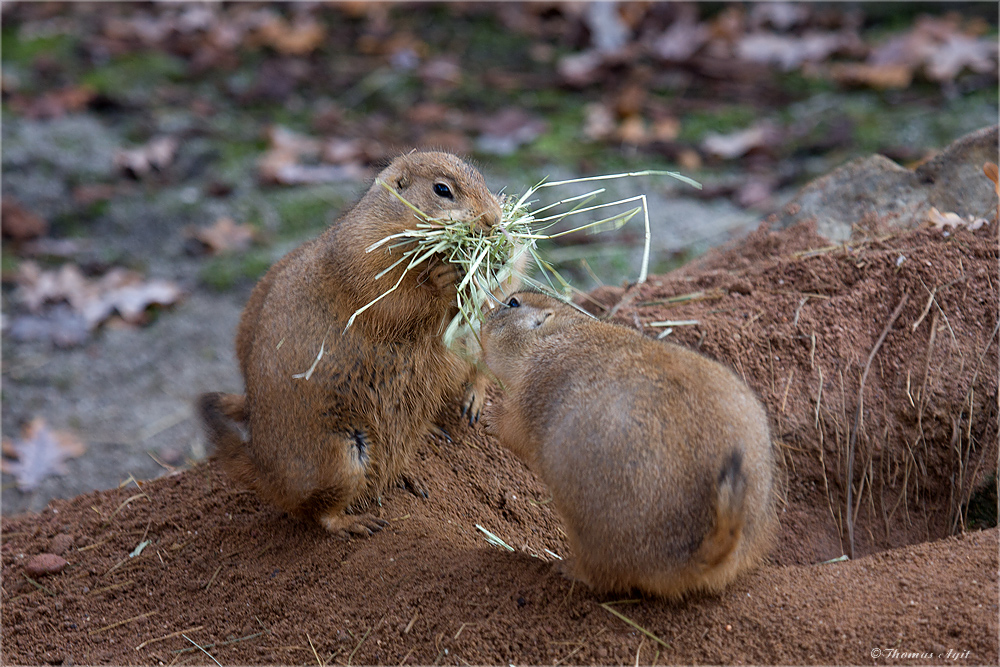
{"points": [[192, 558]]}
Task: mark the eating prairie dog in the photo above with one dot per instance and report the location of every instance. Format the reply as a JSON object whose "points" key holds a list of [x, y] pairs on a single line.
{"points": [[331, 417], [658, 459]]}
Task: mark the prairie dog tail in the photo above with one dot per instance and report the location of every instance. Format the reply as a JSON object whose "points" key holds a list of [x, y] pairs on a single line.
{"points": [[224, 417], [730, 515]]}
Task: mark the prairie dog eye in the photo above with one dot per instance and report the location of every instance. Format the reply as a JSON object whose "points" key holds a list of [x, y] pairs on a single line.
{"points": [[442, 190], [514, 303]]}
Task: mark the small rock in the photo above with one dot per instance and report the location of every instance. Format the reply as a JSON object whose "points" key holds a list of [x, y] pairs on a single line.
{"points": [[44, 564], [741, 287], [60, 544]]}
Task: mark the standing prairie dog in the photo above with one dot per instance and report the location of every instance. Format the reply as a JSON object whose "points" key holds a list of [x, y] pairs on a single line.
{"points": [[659, 460], [331, 417]]}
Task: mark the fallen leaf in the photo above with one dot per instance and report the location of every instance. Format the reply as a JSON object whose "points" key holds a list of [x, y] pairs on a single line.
{"points": [[781, 15], [689, 159], [666, 129], [441, 73], [937, 46], [580, 69], [299, 38], [300, 145], [507, 130], [991, 171], [224, 236], [944, 220], [736, 144], [20, 224], [633, 131], [789, 52], [685, 36], [282, 164], [119, 290], [279, 170], [598, 121], [156, 155], [958, 52], [40, 452], [883, 77], [608, 32]]}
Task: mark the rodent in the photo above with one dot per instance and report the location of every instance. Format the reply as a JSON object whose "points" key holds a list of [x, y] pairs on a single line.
{"points": [[659, 460], [316, 443]]}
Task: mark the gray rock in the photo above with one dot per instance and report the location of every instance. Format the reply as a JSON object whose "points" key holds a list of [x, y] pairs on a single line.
{"points": [[899, 198]]}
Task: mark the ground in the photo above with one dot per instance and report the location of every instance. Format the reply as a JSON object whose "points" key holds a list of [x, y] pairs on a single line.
{"points": [[158, 567]]}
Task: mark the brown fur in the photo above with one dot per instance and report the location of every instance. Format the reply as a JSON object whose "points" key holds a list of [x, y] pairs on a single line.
{"points": [[659, 460], [315, 446]]}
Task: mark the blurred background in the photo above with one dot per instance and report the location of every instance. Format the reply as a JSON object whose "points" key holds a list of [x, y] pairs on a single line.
{"points": [[158, 158]]}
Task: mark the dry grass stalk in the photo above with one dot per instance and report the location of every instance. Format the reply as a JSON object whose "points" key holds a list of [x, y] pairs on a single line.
{"points": [[607, 607], [171, 635], [858, 417], [127, 620]]}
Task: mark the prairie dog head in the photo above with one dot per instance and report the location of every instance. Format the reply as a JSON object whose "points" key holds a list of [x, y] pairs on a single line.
{"points": [[512, 333], [438, 184]]}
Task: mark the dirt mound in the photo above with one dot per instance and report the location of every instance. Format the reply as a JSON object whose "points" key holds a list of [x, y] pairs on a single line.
{"points": [[798, 319]]}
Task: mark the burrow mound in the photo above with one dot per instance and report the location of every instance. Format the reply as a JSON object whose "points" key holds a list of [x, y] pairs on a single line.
{"points": [[191, 559], [799, 319]]}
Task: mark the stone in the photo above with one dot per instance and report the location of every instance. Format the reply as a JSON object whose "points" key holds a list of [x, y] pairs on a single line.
{"points": [[899, 198], [44, 564]]}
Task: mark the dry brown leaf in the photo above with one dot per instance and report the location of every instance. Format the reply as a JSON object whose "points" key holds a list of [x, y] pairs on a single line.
{"points": [[990, 169], [225, 236], [937, 46], [40, 452], [666, 129], [633, 131], [944, 220], [299, 38], [883, 77], [20, 224], [119, 290], [598, 121], [736, 144]]}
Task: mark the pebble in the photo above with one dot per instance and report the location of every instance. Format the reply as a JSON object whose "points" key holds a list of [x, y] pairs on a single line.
{"points": [[44, 564], [60, 544]]}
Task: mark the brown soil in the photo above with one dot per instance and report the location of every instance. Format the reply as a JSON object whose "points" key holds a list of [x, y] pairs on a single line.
{"points": [[251, 585]]}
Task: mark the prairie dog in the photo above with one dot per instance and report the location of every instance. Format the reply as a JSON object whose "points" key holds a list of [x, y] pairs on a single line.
{"points": [[331, 417], [659, 460]]}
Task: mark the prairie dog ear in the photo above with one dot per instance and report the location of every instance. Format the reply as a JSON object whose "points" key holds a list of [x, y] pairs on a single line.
{"points": [[403, 180]]}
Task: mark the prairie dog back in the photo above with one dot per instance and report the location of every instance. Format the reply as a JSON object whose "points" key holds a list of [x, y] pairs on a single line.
{"points": [[659, 459]]}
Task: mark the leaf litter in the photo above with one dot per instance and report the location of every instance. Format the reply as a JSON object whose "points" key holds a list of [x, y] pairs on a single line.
{"points": [[91, 301], [40, 452]]}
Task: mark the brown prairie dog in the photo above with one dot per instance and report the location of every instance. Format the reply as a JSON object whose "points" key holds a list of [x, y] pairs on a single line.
{"points": [[659, 460], [331, 417]]}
